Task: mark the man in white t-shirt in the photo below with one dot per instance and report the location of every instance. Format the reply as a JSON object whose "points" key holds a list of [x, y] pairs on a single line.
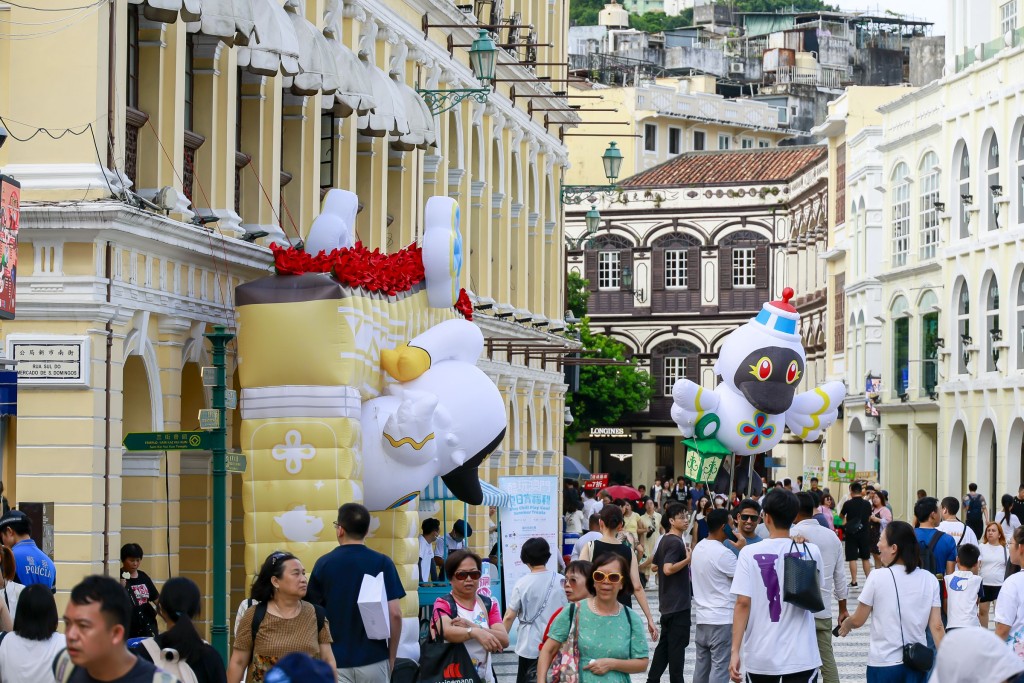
{"points": [[592, 535], [430, 556], [961, 533], [591, 505], [712, 566], [772, 641]]}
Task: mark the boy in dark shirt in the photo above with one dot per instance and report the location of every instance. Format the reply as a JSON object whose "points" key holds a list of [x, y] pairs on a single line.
{"points": [[856, 513]]}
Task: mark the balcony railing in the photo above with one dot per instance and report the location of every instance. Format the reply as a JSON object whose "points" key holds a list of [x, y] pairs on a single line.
{"points": [[820, 76], [985, 51]]}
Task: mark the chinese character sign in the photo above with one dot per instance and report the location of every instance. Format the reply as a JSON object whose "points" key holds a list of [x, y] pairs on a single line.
{"points": [[10, 217], [532, 512]]}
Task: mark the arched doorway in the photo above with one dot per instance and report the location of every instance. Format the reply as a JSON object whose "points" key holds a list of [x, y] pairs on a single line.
{"points": [[957, 466]]}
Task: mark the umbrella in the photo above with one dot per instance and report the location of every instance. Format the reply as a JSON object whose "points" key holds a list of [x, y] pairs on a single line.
{"points": [[627, 492], [573, 468]]}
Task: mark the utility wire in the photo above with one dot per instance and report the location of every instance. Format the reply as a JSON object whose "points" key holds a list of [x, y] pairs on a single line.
{"points": [[55, 9], [50, 22], [44, 34]]}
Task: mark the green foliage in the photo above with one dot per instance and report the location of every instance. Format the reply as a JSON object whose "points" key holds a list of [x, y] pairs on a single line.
{"points": [[780, 5], [585, 12], [656, 22], [607, 392]]}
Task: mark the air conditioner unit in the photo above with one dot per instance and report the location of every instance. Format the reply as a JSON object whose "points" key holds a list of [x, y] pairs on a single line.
{"points": [[736, 67]]}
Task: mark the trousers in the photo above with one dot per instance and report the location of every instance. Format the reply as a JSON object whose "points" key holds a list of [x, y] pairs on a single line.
{"points": [[671, 650], [714, 647], [829, 670]]}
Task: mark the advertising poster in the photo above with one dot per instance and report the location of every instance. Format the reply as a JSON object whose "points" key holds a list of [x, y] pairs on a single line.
{"points": [[10, 218], [843, 472], [532, 512]]}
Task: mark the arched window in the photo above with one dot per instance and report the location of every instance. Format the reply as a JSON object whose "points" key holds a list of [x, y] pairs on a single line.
{"points": [[901, 345], [963, 326], [1018, 180], [992, 181], [1019, 345], [610, 260], [964, 191], [928, 196], [742, 271], [604, 262], [673, 360], [993, 331], [929, 343], [851, 351], [675, 266], [900, 215]]}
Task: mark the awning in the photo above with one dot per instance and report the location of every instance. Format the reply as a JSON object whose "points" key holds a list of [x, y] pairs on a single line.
{"points": [[421, 122], [230, 20], [317, 69], [354, 92], [275, 47], [436, 490], [167, 11], [388, 116]]}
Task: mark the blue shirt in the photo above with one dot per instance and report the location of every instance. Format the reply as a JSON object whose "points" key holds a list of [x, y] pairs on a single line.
{"points": [[944, 551], [736, 551], [33, 565], [334, 583]]}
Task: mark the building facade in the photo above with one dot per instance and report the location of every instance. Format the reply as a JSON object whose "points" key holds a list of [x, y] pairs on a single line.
{"points": [[707, 238], [211, 136]]}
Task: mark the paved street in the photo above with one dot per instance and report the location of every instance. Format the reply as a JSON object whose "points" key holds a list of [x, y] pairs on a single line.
{"points": [[851, 652]]}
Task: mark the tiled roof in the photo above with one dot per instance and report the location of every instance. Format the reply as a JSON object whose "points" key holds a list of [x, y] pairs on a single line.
{"points": [[775, 164]]}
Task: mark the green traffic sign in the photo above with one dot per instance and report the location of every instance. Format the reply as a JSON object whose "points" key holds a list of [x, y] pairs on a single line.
{"points": [[168, 441]]}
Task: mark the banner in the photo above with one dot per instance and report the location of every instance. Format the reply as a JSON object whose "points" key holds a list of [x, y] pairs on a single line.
{"points": [[10, 218], [596, 482], [528, 515], [843, 472]]}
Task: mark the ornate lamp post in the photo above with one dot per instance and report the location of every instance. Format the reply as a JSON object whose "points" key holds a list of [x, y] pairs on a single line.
{"points": [[482, 57]]}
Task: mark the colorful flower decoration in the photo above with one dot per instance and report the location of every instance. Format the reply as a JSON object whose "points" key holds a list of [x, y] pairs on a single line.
{"points": [[757, 430]]}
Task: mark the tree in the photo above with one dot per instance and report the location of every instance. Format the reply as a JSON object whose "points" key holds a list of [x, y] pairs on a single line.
{"points": [[606, 392], [656, 22]]}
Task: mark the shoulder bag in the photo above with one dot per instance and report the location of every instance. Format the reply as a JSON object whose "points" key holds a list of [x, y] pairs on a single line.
{"points": [[565, 667], [800, 580], [917, 656], [441, 660]]}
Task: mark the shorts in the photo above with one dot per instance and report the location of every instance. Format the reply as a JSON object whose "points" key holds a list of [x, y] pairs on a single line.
{"points": [[858, 546], [989, 593], [810, 676]]}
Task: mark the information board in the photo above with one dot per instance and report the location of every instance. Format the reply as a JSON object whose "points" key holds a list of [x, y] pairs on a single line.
{"points": [[532, 512]]}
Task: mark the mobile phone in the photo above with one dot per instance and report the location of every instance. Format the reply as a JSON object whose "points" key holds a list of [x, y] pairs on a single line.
{"points": [[730, 534], [835, 631]]}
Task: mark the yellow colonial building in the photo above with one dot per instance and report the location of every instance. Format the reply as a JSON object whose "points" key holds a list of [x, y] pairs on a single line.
{"points": [[176, 143]]}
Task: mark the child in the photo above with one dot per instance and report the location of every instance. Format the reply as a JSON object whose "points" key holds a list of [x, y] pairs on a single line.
{"points": [[962, 589], [141, 591]]}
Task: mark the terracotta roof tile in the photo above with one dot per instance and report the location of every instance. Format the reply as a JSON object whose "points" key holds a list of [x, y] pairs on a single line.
{"points": [[776, 164]]}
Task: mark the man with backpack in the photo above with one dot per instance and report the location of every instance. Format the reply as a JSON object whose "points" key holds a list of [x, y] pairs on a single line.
{"points": [[938, 549], [961, 533], [335, 583], [976, 509]]}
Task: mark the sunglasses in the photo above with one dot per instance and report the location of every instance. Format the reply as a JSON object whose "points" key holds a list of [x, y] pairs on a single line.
{"points": [[601, 577], [749, 518], [463, 575]]}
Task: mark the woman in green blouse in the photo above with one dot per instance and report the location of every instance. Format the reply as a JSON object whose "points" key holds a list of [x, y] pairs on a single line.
{"points": [[612, 639]]}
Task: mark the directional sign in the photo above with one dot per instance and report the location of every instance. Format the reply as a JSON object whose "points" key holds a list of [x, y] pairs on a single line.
{"points": [[235, 462], [209, 418], [167, 441], [230, 399]]}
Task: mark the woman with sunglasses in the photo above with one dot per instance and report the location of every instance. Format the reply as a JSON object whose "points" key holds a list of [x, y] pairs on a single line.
{"points": [[289, 624], [610, 636], [475, 620]]}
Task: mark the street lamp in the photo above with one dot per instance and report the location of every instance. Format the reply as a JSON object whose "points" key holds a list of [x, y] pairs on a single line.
{"points": [[612, 162], [627, 284], [482, 56], [593, 219]]}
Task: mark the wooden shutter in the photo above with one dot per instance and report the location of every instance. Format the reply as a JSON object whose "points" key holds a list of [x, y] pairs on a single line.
{"points": [[724, 267], [590, 268], [658, 269], [761, 266], [693, 268], [693, 367]]}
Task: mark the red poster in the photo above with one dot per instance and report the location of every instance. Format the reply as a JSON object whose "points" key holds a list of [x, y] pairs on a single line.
{"points": [[10, 218], [596, 482]]}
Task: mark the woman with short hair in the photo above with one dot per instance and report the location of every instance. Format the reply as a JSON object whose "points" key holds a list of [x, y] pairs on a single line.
{"points": [[26, 655], [8, 583], [535, 598]]}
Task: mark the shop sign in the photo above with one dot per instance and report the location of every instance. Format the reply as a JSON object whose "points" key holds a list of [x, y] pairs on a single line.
{"points": [[597, 481], [843, 472], [10, 218], [609, 433], [50, 359]]}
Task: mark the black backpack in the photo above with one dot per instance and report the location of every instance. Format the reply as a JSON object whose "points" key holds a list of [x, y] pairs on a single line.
{"points": [[974, 508]]}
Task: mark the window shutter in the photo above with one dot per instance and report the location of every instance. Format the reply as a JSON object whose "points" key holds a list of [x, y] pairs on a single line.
{"points": [[693, 269], [658, 268], [590, 268], [761, 266], [693, 368], [626, 259], [724, 267]]}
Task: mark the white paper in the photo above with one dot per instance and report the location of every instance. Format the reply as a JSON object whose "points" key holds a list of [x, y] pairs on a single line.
{"points": [[373, 607]]}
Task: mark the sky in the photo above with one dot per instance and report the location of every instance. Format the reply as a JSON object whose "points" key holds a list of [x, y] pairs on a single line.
{"points": [[932, 10]]}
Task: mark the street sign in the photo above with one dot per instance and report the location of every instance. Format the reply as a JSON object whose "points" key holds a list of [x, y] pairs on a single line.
{"points": [[167, 441], [209, 418], [235, 462], [230, 399], [210, 376]]}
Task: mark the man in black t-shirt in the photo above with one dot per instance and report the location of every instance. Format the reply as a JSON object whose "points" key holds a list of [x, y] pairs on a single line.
{"points": [[1018, 505], [673, 561], [856, 513]]}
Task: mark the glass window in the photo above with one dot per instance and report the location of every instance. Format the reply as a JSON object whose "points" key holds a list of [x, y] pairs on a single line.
{"points": [[675, 269], [900, 215], [747, 143], [724, 141], [1007, 17], [1019, 179], [965, 193], [608, 270], [189, 80], [327, 149], [901, 354], [930, 352], [762, 143], [132, 87], [675, 369], [1020, 324], [963, 325], [743, 267], [699, 140], [992, 180], [674, 137], [650, 137], [992, 328], [928, 195]]}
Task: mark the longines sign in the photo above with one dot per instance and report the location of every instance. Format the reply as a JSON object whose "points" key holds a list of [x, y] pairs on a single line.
{"points": [[609, 433]]}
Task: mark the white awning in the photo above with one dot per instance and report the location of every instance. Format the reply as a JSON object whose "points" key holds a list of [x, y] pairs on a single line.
{"points": [[354, 93], [421, 122], [275, 47], [317, 69], [388, 116], [167, 11], [230, 20]]}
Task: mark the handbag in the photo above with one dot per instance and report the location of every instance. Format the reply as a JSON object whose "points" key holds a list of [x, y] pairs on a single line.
{"points": [[565, 667], [441, 660], [800, 581], [917, 656]]}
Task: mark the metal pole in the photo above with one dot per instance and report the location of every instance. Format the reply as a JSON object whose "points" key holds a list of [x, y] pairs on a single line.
{"points": [[219, 339]]}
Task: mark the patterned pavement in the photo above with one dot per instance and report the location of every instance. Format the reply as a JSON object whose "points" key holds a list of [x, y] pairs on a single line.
{"points": [[851, 652]]}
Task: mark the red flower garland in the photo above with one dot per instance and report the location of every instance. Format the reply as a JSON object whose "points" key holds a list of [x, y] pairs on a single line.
{"points": [[360, 268]]}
